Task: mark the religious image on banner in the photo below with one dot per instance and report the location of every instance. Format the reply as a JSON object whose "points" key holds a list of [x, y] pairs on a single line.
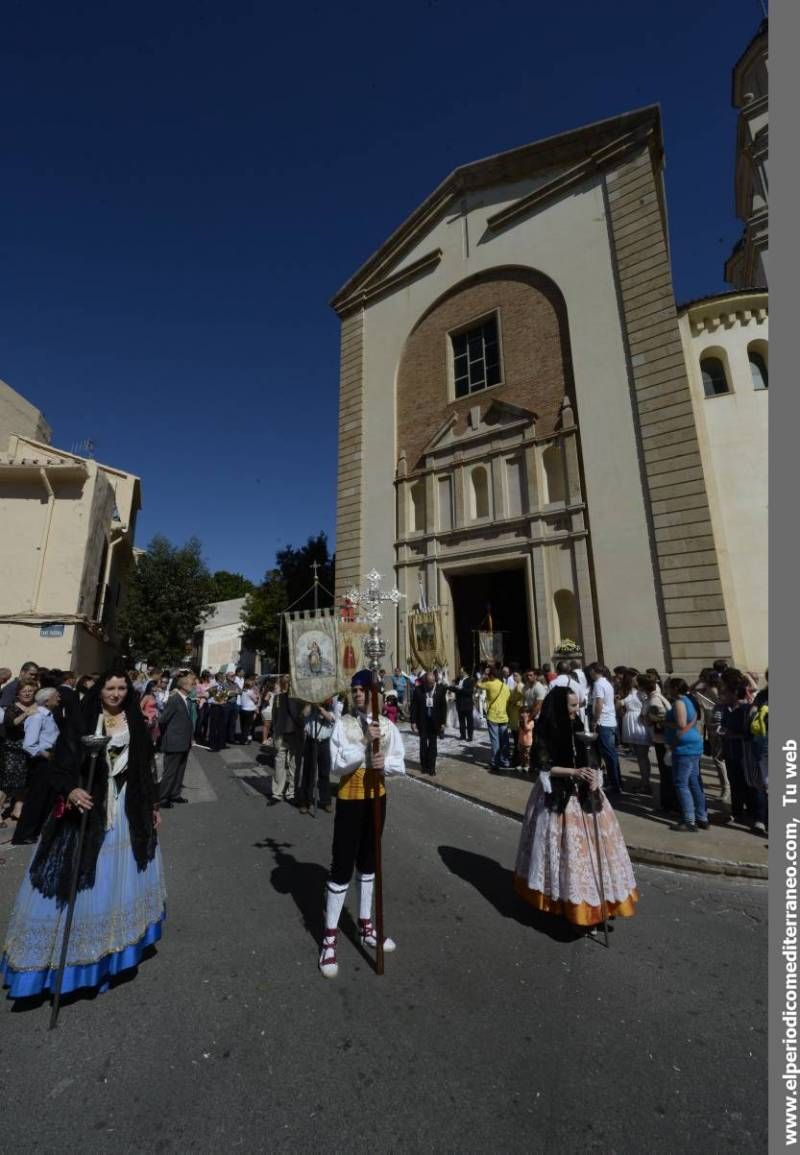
{"points": [[425, 638], [351, 636], [490, 646], [313, 656]]}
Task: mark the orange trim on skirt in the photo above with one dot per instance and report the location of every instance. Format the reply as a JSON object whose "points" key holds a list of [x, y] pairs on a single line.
{"points": [[581, 914]]}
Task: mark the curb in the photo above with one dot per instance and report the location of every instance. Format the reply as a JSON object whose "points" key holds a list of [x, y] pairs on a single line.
{"points": [[646, 855], [697, 863]]}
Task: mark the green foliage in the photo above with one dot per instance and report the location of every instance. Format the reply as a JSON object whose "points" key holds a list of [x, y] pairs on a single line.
{"points": [[226, 585], [168, 597], [289, 584], [295, 569]]}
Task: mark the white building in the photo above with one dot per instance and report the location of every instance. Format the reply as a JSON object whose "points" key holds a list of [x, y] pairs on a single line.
{"points": [[67, 526], [726, 339], [218, 641]]}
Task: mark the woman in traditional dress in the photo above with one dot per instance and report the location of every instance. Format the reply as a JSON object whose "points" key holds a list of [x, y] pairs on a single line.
{"points": [[120, 901], [557, 860]]}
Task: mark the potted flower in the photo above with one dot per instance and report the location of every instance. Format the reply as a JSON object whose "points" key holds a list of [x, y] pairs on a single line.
{"points": [[566, 648]]}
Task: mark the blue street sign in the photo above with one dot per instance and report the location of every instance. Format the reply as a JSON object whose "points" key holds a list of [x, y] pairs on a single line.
{"points": [[52, 630]]}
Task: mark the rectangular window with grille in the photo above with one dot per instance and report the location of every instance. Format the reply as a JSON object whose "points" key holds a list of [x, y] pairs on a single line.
{"points": [[476, 358]]}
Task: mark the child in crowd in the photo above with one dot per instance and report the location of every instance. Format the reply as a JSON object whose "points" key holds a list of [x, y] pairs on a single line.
{"points": [[524, 738], [390, 708]]}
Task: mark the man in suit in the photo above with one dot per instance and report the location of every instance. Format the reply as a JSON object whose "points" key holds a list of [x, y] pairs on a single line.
{"points": [[177, 731], [428, 716], [464, 690], [68, 711]]}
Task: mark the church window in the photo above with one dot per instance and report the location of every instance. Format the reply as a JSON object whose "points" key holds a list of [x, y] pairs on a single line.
{"points": [[715, 379], [480, 492], [757, 356], [476, 357]]}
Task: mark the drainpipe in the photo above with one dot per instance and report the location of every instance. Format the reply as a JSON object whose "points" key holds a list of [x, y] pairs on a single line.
{"points": [[51, 500]]}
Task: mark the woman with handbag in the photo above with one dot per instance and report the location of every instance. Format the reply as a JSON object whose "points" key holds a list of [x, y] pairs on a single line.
{"points": [[685, 740]]}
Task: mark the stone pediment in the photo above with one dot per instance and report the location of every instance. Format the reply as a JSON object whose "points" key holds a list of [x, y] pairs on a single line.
{"points": [[568, 157], [462, 428]]}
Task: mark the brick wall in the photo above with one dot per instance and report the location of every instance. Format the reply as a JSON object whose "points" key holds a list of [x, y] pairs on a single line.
{"points": [[534, 348], [690, 590]]}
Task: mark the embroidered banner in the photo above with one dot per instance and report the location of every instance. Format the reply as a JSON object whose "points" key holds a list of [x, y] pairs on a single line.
{"points": [[351, 637], [313, 653], [426, 638], [490, 646]]}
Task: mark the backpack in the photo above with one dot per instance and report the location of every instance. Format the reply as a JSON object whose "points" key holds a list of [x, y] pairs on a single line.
{"points": [[759, 725]]}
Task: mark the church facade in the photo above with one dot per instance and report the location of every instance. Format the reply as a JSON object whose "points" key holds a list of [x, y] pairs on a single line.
{"points": [[522, 439]]}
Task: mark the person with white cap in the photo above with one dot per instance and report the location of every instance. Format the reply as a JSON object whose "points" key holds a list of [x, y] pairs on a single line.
{"points": [[353, 824]]}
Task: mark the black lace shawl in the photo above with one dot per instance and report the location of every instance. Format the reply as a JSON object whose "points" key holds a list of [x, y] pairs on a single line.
{"points": [[53, 863], [555, 745]]}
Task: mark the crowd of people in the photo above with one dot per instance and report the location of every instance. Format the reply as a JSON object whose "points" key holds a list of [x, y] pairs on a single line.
{"points": [[722, 715], [542, 721]]}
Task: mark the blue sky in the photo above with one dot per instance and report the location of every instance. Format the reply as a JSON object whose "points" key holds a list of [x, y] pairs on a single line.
{"points": [[186, 185]]}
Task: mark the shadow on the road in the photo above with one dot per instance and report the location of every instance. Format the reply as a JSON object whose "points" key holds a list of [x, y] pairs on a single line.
{"points": [[496, 884], [305, 882], [262, 786], [84, 994]]}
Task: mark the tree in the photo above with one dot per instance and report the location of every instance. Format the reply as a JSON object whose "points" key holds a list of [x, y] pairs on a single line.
{"points": [[168, 598], [295, 569], [260, 615], [226, 585], [288, 584]]}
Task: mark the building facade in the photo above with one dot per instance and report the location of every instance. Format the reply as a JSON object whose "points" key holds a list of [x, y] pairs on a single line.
{"points": [[68, 526], [17, 415], [726, 341], [747, 265], [218, 641], [516, 425]]}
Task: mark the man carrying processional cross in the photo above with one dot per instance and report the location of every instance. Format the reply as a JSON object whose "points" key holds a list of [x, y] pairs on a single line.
{"points": [[365, 746]]}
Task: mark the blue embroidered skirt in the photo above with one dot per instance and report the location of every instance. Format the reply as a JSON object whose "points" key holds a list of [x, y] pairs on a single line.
{"points": [[114, 923]]}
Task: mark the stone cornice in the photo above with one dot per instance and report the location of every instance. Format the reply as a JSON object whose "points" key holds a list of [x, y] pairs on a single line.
{"points": [[473, 451], [466, 538], [396, 280], [503, 168], [602, 158], [727, 311]]}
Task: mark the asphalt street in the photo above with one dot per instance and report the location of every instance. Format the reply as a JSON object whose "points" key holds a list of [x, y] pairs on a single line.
{"points": [[491, 1030]]}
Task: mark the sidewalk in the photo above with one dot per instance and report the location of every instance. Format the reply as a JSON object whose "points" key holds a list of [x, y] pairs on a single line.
{"points": [[462, 769]]}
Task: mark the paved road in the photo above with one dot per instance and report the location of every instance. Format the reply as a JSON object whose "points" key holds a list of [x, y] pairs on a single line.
{"points": [[487, 1032]]}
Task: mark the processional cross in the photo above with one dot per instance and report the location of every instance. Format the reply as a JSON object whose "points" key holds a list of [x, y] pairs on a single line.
{"points": [[368, 605]]}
